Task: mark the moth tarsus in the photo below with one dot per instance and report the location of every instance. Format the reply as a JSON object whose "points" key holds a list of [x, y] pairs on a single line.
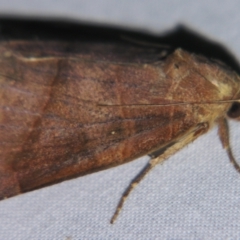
{"points": [[131, 186]]}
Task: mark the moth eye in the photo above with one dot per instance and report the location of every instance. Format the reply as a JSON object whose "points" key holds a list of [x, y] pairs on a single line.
{"points": [[234, 111]]}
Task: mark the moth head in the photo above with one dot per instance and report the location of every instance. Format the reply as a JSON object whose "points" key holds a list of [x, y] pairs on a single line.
{"points": [[234, 111]]}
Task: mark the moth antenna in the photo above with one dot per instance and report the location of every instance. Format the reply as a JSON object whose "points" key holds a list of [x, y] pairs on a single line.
{"points": [[132, 185], [167, 104], [223, 132]]}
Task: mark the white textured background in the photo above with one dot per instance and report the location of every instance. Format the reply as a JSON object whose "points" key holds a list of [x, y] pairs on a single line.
{"points": [[194, 195]]}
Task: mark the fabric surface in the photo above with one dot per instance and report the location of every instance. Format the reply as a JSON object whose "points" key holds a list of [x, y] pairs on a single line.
{"points": [[194, 195]]}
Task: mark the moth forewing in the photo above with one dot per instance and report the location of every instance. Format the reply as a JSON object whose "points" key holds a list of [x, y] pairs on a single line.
{"points": [[89, 106]]}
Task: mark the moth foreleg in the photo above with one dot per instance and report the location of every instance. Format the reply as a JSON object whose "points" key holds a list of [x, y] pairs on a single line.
{"points": [[223, 132], [163, 154]]}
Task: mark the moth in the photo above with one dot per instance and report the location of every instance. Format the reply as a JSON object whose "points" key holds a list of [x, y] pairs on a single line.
{"points": [[72, 108]]}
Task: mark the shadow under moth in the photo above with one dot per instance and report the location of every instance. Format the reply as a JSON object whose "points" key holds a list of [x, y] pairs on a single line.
{"points": [[70, 109]]}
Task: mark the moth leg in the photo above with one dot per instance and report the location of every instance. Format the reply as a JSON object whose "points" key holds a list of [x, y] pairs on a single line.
{"points": [[165, 153], [223, 132], [160, 151]]}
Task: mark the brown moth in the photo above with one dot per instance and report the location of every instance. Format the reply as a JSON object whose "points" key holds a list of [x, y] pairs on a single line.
{"points": [[69, 109]]}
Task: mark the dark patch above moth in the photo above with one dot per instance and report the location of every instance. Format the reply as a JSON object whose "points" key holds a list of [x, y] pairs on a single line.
{"points": [[213, 61]]}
